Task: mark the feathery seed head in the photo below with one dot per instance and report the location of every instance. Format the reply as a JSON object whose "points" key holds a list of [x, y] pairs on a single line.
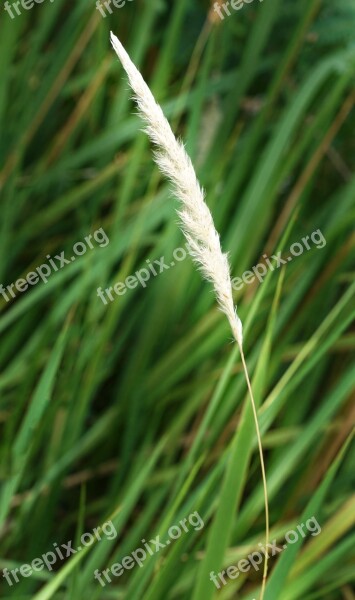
{"points": [[195, 216]]}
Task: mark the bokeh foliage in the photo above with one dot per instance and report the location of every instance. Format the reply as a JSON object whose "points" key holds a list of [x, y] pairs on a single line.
{"points": [[138, 409]]}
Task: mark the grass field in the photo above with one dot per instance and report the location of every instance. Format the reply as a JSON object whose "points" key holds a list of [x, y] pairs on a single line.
{"points": [[122, 398]]}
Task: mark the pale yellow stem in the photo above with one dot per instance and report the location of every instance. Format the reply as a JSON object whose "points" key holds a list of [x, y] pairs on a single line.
{"points": [[266, 499]]}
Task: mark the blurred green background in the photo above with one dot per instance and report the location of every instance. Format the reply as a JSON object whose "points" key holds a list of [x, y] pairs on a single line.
{"points": [[137, 410]]}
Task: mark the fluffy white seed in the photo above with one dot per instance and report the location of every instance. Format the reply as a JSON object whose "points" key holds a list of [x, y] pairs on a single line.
{"points": [[195, 216]]}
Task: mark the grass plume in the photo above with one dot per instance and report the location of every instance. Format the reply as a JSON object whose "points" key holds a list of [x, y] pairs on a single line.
{"points": [[196, 222]]}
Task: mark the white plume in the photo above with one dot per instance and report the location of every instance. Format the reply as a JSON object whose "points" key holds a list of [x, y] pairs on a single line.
{"points": [[195, 216]]}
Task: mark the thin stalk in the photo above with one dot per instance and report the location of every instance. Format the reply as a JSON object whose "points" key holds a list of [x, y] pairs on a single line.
{"points": [[263, 471], [196, 221]]}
